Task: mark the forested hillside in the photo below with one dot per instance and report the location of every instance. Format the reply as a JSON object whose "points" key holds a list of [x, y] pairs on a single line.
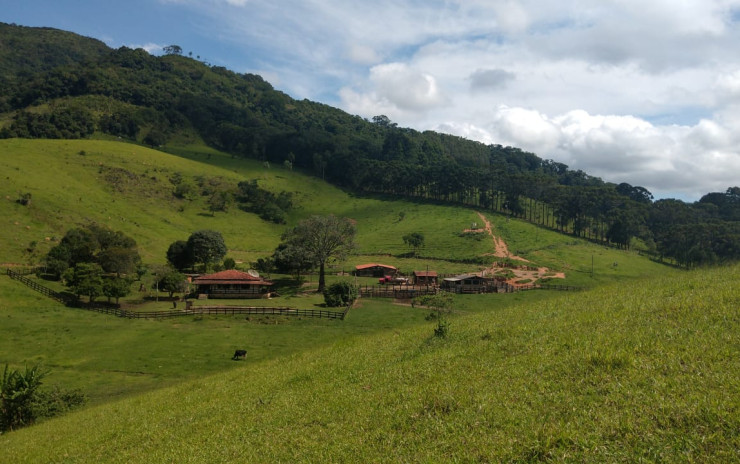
{"points": [[59, 85]]}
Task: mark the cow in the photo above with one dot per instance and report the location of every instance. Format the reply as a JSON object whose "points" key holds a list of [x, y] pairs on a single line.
{"points": [[239, 354]]}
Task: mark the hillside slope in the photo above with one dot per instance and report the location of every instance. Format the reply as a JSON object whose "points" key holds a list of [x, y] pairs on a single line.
{"points": [[643, 372], [129, 188]]}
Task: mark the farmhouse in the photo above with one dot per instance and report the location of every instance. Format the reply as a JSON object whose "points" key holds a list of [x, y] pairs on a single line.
{"points": [[469, 283], [232, 284], [425, 277], [375, 270]]}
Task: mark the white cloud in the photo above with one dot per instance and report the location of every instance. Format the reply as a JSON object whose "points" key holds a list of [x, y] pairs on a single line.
{"points": [[396, 89], [362, 54], [668, 160]]}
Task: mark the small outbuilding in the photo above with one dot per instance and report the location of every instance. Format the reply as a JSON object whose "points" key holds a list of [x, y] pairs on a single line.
{"points": [[375, 270], [469, 283], [232, 284], [425, 277]]}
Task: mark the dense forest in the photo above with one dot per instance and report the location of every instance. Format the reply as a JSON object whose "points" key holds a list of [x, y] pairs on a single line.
{"points": [[56, 84]]}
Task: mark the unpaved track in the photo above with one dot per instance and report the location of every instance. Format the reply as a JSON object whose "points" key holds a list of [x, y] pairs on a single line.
{"points": [[523, 272]]}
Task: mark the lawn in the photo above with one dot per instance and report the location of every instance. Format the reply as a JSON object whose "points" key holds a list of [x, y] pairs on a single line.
{"points": [[644, 371]]}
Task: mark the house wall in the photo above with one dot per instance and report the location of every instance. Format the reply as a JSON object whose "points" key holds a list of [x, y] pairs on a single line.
{"points": [[232, 291], [375, 272]]}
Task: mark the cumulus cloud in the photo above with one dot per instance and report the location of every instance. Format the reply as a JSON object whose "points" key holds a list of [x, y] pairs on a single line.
{"points": [[396, 89], [683, 161]]}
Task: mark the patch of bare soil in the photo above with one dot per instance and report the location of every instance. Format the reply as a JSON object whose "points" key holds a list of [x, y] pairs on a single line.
{"points": [[522, 274]]}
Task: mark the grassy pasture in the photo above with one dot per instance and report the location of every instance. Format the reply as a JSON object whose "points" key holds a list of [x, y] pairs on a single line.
{"points": [[127, 187], [642, 367], [646, 371], [108, 357]]}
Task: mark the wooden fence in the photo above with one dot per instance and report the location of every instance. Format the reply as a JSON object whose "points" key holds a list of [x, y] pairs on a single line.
{"points": [[32, 284], [395, 291], [408, 292], [562, 288], [237, 310], [190, 311]]}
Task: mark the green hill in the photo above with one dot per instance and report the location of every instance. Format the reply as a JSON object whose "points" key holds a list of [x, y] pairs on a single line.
{"points": [[27, 50], [130, 188], [641, 372]]}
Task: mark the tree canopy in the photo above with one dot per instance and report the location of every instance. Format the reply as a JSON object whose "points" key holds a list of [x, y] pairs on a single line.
{"points": [[206, 247], [322, 238]]}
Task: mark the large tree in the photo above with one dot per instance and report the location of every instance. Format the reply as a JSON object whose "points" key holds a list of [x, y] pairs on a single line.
{"points": [[178, 254], [323, 238], [94, 243], [85, 279], [173, 282], [206, 247]]}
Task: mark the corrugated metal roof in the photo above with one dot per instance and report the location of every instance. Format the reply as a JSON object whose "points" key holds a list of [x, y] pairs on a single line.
{"points": [[360, 267]]}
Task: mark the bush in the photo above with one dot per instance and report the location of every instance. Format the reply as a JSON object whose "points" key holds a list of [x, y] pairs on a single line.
{"points": [[56, 401], [22, 403], [17, 392], [340, 294]]}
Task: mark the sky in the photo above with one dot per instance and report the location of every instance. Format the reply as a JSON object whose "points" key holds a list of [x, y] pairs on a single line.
{"points": [[639, 91]]}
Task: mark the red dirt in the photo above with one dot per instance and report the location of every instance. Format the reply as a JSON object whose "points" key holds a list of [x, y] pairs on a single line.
{"points": [[522, 272]]}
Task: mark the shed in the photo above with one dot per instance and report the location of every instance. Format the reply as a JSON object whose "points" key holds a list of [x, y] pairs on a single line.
{"points": [[232, 284], [425, 277], [469, 283], [375, 270]]}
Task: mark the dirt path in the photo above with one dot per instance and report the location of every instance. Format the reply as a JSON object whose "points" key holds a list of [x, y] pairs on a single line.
{"points": [[523, 275], [502, 251]]}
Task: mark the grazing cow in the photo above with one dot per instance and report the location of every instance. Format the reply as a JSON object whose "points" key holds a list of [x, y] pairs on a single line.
{"points": [[239, 354]]}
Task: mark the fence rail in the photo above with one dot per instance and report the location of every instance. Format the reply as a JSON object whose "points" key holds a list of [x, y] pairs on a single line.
{"points": [[190, 311], [236, 310], [38, 287], [407, 292], [395, 291]]}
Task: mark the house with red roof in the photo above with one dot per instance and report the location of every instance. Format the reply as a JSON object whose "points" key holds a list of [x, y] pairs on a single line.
{"points": [[232, 284]]}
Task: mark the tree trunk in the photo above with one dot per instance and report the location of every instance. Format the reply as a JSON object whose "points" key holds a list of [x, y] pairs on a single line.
{"points": [[322, 279]]}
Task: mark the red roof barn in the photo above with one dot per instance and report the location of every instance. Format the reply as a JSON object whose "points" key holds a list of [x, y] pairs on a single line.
{"points": [[425, 277]]}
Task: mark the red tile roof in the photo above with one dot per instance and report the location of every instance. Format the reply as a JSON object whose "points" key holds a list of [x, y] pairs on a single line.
{"points": [[231, 276]]}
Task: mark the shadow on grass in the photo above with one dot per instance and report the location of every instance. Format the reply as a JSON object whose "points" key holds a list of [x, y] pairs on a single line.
{"points": [[287, 286]]}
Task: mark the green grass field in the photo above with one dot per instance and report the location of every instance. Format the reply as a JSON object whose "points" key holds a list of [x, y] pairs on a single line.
{"points": [[641, 367], [641, 372]]}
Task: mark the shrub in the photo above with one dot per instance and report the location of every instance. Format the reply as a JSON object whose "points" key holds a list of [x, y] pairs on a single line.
{"points": [[17, 391], [340, 294], [22, 403]]}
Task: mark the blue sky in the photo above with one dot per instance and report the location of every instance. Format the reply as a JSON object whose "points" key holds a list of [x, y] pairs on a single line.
{"points": [[631, 91]]}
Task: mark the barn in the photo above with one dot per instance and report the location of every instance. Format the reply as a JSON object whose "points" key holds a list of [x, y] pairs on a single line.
{"points": [[469, 283], [425, 277], [232, 284], [375, 270]]}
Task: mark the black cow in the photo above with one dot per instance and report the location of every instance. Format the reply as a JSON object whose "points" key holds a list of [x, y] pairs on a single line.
{"points": [[239, 354]]}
